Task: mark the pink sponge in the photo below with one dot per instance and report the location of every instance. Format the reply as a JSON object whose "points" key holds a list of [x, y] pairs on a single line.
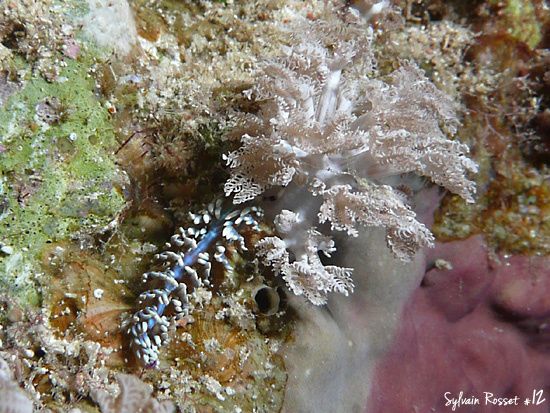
{"points": [[478, 327]]}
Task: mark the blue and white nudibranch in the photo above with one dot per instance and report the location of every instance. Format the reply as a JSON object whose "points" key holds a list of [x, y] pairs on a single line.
{"points": [[188, 248]]}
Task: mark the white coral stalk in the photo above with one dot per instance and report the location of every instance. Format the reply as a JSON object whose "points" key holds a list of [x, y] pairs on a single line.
{"points": [[328, 125]]}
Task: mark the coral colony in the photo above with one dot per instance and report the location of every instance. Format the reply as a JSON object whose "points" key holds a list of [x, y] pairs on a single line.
{"points": [[332, 138], [329, 135], [188, 248]]}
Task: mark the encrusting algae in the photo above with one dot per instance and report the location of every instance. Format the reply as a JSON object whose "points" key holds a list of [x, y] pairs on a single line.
{"points": [[59, 178]]}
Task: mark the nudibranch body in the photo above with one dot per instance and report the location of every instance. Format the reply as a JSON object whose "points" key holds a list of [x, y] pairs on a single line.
{"points": [[188, 248]]}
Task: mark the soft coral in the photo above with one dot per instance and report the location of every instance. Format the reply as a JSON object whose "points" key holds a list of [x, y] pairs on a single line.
{"points": [[327, 125]]}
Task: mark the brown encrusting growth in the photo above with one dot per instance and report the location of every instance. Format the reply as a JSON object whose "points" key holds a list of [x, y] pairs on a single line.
{"points": [[505, 95]]}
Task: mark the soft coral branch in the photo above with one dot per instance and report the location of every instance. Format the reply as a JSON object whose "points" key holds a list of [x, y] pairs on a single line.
{"points": [[377, 205], [329, 125]]}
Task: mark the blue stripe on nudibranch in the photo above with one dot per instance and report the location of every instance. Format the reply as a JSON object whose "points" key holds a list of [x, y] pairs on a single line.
{"points": [[148, 327]]}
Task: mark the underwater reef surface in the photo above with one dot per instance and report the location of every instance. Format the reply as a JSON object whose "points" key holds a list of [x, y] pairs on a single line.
{"points": [[114, 116]]}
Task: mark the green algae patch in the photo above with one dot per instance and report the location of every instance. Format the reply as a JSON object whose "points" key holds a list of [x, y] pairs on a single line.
{"points": [[521, 19], [58, 178]]}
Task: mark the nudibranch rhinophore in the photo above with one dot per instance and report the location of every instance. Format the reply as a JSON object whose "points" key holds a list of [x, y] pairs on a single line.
{"points": [[188, 249]]}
